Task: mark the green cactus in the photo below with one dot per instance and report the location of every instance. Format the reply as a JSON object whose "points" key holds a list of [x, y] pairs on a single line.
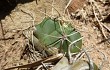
{"points": [[53, 33]]}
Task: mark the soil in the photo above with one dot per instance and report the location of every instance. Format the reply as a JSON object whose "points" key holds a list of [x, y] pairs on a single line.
{"points": [[18, 19]]}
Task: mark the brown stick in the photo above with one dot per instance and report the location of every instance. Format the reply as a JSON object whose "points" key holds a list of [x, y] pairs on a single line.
{"points": [[3, 34], [50, 59]]}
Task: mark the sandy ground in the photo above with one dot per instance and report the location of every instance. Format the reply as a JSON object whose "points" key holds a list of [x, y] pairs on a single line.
{"points": [[19, 19]]}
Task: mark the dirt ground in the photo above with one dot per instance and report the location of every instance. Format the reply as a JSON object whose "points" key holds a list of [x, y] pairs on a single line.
{"points": [[11, 48]]}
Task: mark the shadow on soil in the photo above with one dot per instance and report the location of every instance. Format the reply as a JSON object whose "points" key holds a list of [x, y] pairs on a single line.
{"points": [[6, 6]]}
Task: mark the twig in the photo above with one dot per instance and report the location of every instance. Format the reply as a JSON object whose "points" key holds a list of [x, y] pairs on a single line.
{"points": [[27, 13], [38, 68], [3, 34], [98, 10], [102, 18], [106, 27], [44, 66], [50, 59], [11, 19], [67, 5], [101, 27]]}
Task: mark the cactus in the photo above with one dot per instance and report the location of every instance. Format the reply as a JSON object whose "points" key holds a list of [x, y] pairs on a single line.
{"points": [[54, 33]]}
